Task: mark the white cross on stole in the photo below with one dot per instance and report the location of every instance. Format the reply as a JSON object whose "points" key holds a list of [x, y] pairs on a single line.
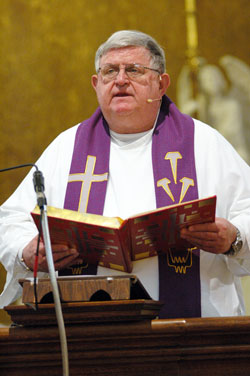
{"points": [[87, 178]]}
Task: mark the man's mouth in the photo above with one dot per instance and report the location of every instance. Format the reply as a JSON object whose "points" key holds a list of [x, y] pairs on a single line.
{"points": [[120, 95]]}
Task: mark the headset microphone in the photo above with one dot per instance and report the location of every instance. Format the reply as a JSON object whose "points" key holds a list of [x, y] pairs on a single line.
{"points": [[153, 100]]}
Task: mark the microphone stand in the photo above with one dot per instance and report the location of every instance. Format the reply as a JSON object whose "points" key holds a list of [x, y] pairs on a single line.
{"points": [[38, 182], [42, 203]]}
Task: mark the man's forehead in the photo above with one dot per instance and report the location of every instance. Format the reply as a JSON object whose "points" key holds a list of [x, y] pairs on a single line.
{"points": [[131, 54]]}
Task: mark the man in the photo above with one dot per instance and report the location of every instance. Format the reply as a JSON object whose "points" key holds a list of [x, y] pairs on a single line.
{"points": [[136, 153]]}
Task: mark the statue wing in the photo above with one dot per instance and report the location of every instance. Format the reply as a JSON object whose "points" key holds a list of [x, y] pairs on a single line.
{"points": [[238, 72], [184, 88]]}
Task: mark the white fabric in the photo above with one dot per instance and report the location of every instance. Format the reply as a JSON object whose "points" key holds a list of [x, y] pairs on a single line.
{"points": [[220, 171]]}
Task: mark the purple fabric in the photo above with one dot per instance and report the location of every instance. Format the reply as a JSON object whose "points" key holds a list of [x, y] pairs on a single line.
{"points": [[180, 291], [174, 133], [92, 139]]}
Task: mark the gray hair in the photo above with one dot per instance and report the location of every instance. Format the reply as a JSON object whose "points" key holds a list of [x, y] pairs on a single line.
{"points": [[127, 38]]}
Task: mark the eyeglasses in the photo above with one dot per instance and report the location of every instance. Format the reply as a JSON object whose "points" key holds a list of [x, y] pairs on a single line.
{"points": [[134, 71]]}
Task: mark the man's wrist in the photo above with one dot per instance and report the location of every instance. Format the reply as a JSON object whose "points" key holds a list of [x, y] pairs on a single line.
{"points": [[236, 245], [21, 260]]}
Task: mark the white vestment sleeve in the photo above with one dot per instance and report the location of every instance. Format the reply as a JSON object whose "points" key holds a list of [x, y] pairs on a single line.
{"points": [[17, 228], [221, 171]]}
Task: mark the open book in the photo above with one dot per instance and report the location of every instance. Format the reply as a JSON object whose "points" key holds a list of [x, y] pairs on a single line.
{"points": [[114, 243]]}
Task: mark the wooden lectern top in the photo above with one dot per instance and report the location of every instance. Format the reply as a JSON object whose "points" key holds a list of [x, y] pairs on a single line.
{"points": [[85, 299]]}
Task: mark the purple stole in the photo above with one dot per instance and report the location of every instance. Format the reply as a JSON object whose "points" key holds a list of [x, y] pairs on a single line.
{"points": [[175, 181]]}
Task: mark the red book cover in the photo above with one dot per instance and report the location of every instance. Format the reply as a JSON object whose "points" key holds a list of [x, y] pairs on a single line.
{"points": [[158, 230], [115, 243], [97, 238]]}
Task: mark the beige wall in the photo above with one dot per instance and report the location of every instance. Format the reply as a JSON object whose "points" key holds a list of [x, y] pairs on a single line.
{"points": [[47, 52]]}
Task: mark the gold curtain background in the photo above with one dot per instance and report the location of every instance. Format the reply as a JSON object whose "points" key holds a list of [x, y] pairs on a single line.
{"points": [[47, 50]]}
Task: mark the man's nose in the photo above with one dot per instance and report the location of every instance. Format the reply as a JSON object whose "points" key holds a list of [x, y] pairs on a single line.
{"points": [[121, 77]]}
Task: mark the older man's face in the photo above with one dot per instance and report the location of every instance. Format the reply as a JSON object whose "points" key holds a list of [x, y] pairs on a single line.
{"points": [[123, 100]]}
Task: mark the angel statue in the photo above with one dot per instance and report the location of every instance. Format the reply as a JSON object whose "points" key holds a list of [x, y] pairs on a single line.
{"points": [[222, 99]]}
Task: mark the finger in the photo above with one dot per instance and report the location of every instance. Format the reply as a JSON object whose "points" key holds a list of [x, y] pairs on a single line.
{"points": [[213, 246], [60, 263], [67, 261], [61, 247], [198, 236], [204, 227], [57, 256], [200, 242]]}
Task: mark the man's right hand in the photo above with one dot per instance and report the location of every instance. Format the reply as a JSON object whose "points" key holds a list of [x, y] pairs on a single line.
{"points": [[63, 256]]}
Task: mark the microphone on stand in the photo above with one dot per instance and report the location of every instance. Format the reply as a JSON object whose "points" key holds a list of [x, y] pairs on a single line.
{"points": [[149, 100], [38, 181]]}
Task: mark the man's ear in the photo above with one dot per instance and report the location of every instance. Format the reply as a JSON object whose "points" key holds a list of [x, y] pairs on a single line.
{"points": [[164, 83], [94, 81]]}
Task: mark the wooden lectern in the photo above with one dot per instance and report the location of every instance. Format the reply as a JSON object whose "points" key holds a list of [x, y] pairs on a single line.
{"points": [[85, 299], [121, 338]]}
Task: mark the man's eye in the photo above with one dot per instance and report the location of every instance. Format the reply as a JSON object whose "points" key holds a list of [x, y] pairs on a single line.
{"points": [[133, 70], [109, 71]]}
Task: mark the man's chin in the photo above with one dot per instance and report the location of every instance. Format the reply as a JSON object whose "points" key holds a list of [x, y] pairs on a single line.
{"points": [[123, 109]]}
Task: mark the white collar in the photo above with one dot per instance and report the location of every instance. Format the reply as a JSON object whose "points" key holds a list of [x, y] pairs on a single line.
{"points": [[122, 139]]}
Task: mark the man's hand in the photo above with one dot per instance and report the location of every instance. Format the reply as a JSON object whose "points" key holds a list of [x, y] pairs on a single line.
{"points": [[63, 256], [215, 237]]}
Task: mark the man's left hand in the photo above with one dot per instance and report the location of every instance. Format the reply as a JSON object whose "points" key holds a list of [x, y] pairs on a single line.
{"points": [[215, 237]]}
